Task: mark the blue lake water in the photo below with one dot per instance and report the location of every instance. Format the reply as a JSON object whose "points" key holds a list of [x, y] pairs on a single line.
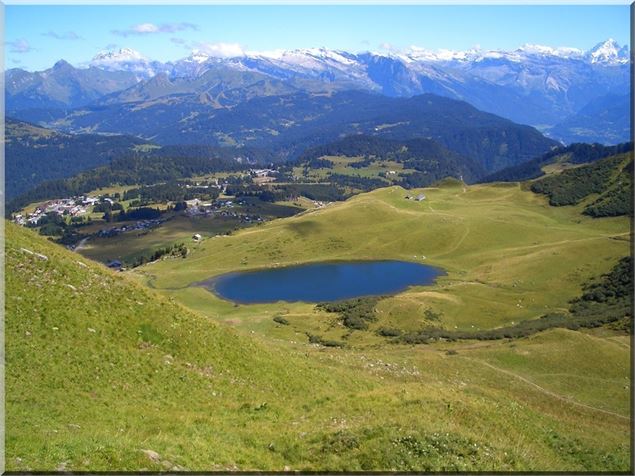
{"points": [[321, 281]]}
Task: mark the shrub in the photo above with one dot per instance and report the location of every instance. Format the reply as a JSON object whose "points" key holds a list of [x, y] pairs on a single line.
{"points": [[281, 320], [388, 332], [355, 313], [315, 339]]}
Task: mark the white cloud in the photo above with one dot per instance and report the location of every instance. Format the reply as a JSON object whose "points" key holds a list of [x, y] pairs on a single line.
{"points": [[69, 35], [145, 28], [183, 43], [20, 45], [151, 28], [220, 50]]}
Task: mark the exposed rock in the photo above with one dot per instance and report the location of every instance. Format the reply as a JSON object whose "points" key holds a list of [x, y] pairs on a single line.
{"points": [[152, 455]]}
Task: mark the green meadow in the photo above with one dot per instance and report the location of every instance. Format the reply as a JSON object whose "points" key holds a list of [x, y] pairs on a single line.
{"points": [[342, 165], [141, 371], [508, 255]]}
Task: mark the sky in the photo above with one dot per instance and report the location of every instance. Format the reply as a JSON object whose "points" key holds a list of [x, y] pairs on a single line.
{"points": [[36, 36]]}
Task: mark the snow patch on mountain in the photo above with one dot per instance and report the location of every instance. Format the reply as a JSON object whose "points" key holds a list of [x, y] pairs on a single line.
{"points": [[120, 56], [608, 51], [127, 59]]}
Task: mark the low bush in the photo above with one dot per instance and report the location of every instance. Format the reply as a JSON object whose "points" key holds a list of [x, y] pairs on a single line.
{"points": [[388, 332], [355, 313], [281, 320]]}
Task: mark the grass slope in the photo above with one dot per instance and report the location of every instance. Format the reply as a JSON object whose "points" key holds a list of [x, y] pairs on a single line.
{"points": [[572, 186], [509, 256], [103, 374], [574, 154]]}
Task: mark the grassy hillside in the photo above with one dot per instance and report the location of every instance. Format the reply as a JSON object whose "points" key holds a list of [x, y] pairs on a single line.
{"points": [[508, 254], [103, 374], [607, 183], [432, 160], [573, 154]]}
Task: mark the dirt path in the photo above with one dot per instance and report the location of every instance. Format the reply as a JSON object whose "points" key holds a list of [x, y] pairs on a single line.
{"points": [[82, 243], [548, 392]]}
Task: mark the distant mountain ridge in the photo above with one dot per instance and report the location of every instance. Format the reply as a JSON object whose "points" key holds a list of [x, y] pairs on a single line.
{"points": [[34, 155], [62, 86], [288, 125], [533, 84]]}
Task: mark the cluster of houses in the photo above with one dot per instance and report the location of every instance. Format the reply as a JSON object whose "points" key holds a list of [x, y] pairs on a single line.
{"points": [[262, 172], [217, 184], [198, 207], [73, 206]]}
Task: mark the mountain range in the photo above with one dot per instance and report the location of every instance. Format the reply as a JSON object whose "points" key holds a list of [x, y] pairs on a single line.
{"points": [[546, 87], [289, 124]]}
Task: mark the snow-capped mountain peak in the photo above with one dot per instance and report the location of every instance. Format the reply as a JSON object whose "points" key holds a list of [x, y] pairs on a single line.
{"points": [[608, 51], [197, 57], [417, 53], [127, 59], [122, 55], [540, 50]]}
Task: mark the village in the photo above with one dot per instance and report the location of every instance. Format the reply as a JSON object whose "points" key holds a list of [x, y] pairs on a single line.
{"points": [[128, 216], [74, 206], [81, 205]]}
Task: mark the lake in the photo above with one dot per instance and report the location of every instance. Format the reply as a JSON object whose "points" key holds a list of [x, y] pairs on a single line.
{"points": [[321, 282]]}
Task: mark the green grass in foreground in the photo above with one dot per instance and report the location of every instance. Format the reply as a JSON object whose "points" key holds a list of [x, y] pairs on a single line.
{"points": [[104, 374]]}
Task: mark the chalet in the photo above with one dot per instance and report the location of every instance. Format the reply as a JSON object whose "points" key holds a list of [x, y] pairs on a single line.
{"points": [[421, 197], [263, 172]]}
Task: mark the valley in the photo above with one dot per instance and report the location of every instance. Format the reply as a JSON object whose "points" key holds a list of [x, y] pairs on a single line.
{"points": [[499, 275], [325, 259], [238, 376]]}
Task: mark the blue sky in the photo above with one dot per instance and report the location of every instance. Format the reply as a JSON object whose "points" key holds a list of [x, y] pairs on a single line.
{"points": [[36, 36]]}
